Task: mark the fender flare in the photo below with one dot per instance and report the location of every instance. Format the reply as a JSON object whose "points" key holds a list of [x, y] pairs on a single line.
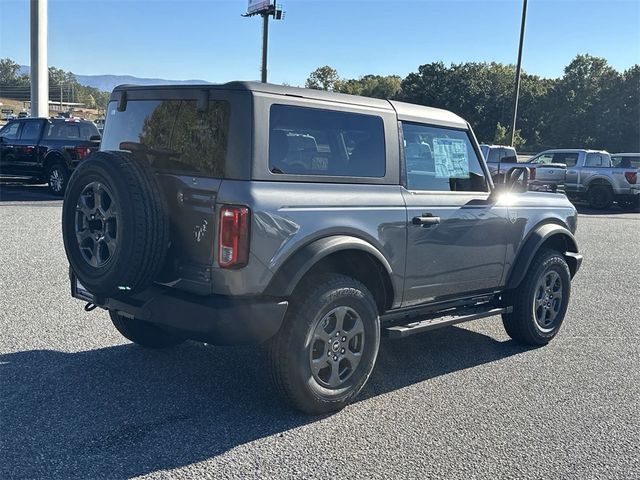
{"points": [[599, 180], [297, 265], [52, 156], [533, 243]]}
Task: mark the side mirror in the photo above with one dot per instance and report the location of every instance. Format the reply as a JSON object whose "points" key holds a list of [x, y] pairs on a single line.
{"points": [[517, 179], [511, 159]]}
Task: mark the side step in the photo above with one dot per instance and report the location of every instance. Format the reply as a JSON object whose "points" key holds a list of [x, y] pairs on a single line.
{"points": [[401, 331]]}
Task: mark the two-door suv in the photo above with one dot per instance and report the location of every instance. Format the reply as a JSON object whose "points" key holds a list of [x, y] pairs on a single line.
{"points": [[312, 221]]}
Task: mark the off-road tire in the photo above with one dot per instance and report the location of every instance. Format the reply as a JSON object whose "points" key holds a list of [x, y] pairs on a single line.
{"points": [[521, 325], [600, 197], [289, 350], [57, 178], [143, 333], [142, 223]]}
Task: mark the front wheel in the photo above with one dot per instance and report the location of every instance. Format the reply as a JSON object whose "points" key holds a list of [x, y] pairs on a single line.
{"points": [[328, 344], [540, 301], [144, 333]]}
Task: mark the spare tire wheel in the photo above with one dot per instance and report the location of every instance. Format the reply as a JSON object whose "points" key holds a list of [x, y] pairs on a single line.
{"points": [[114, 223]]}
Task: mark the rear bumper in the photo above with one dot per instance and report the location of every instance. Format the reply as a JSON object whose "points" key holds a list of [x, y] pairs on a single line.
{"points": [[215, 319]]}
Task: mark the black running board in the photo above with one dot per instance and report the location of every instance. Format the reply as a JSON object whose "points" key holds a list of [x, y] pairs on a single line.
{"points": [[401, 331]]}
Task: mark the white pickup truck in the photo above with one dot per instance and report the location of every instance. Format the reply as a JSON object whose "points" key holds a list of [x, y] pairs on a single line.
{"points": [[591, 176], [545, 174]]}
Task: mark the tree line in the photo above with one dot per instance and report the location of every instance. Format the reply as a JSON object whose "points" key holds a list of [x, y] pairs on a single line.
{"points": [[591, 105], [62, 85]]}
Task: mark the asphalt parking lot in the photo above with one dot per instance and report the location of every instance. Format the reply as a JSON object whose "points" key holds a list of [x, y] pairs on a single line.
{"points": [[78, 401]]}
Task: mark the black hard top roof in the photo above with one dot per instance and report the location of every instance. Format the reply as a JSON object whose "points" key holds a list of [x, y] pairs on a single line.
{"points": [[405, 111]]}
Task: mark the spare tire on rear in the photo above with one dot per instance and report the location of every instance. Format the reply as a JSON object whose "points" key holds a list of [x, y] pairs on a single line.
{"points": [[114, 223]]}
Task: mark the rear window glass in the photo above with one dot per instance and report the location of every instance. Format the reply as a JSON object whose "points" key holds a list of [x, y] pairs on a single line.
{"points": [[310, 141], [71, 131], [173, 135]]}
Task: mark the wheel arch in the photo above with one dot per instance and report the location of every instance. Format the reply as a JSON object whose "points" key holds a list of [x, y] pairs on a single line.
{"points": [[52, 157], [345, 254], [548, 235], [600, 181]]}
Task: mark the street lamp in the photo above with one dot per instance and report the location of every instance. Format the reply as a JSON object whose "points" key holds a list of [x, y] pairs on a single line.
{"points": [[266, 9]]}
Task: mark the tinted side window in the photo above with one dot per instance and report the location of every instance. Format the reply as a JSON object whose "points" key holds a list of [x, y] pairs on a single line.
{"points": [[569, 159], [494, 155], [441, 159], [171, 134], [543, 159], [310, 141], [597, 160], [10, 132], [31, 131]]}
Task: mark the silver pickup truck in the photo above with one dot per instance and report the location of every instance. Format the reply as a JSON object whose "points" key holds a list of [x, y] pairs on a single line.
{"points": [[547, 172], [591, 176]]}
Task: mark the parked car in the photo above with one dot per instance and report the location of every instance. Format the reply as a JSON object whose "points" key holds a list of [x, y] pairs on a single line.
{"points": [[310, 220], [23, 114], [544, 175], [625, 160], [46, 149], [592, 177]]}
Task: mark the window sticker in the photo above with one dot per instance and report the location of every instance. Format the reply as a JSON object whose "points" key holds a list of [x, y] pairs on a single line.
{"points": [[450, 157]]}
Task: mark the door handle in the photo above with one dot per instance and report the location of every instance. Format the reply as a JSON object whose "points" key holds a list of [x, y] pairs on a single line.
{"points": [[426, 220]]}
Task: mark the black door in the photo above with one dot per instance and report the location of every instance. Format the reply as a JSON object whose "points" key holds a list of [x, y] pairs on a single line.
{"points": [[8, 138], [26, 148]]}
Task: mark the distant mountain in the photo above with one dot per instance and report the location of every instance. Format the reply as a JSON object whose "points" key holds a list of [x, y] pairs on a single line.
{"points": [[107, 83]]}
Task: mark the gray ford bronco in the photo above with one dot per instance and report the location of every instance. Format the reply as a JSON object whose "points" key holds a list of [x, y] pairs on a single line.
{"points": [[311, 221]]}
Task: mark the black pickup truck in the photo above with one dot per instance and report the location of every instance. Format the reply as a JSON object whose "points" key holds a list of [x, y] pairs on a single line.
{"points": [[46, 149]]}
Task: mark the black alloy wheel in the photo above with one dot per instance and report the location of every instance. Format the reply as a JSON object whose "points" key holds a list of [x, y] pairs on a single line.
{"points": [[96, 224]]}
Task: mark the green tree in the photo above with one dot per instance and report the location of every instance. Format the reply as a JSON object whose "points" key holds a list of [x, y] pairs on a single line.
{"points": [[8, 71], [323, 78]]}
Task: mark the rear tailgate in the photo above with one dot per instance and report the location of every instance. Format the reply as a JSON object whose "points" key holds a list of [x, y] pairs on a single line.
{"points": [[549, 174], [184, 137]]}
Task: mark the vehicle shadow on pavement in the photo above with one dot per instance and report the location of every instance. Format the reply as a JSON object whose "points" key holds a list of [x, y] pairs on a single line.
{"points": [[613, 210], [124, 411], [23, 192]]}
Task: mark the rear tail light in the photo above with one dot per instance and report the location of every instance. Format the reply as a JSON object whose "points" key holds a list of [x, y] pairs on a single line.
{"points": [[632, 177], [82, 151], [233, 239]]}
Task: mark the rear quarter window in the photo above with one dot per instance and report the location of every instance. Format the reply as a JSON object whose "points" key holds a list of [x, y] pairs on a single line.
{"points": [[173, 135], [311, 141]]}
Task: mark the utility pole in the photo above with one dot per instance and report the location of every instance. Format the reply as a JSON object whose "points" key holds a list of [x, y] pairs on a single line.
{"points": [[265, 46], [518, 71], [39, 68], [266, 9]]}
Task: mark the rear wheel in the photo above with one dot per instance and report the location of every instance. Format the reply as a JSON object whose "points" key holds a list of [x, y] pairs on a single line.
{"points": [[144, 333], [540, 302], [328, 344], [57, 178], [600, 197]]}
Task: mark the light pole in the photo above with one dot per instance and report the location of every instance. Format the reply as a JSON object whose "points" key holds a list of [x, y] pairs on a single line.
{"points": [[518, 70], [266, 9], [39, 68]]}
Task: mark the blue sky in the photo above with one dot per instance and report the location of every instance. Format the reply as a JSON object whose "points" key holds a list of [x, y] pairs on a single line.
{"points": [[209, 40]]}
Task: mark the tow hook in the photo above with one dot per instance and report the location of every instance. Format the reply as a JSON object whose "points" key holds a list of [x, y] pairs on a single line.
{"points": [[90, 306]]}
